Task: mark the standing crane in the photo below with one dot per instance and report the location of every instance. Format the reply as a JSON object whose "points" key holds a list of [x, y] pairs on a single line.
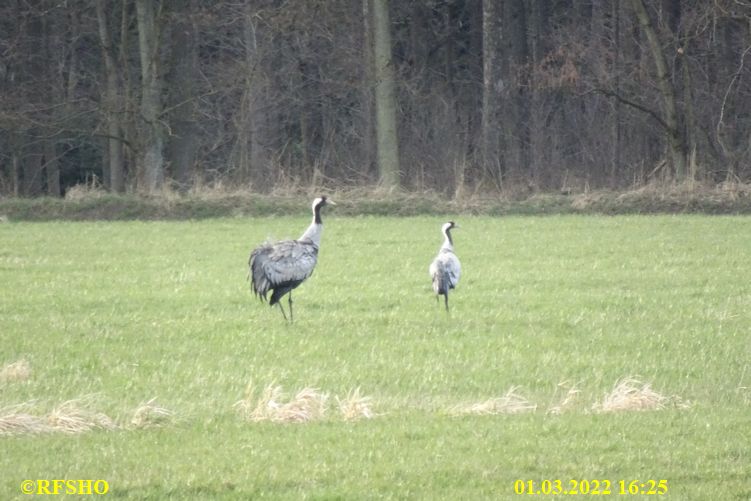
{"points": [[445, 268], [282, 266]]}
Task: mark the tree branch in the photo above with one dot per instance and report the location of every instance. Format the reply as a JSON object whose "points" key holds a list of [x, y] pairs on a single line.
{"points": [[634, 105], [721, 120]]}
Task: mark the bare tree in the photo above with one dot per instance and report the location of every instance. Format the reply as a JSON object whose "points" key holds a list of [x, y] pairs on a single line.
{"points": [[33, 157], [492, 86], [113, 106], [152, 138], [182, 85], [505, 94], [670, 122], [388, 149]]}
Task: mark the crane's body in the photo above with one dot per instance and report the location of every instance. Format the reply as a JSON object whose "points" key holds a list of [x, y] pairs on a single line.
{"points": [[282, 266], [445, 269]]}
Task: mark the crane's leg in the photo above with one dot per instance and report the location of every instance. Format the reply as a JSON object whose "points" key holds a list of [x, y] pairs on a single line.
{"points": [[446, 300], [291, 318], [282, 309]]}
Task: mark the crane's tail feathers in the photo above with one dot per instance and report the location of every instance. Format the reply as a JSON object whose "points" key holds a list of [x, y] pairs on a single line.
{"points": [[442, 282], [258, 289]]}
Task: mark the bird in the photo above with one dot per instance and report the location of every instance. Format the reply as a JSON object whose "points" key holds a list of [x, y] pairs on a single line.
{"points": [[282, 266], [445, 269]]}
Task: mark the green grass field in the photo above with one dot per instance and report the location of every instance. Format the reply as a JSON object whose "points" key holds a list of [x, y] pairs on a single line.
{"points": [[123, 312]]}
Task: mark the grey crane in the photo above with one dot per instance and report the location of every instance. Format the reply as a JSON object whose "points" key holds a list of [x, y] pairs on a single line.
{"points": [[445, 269], [282, 266]]}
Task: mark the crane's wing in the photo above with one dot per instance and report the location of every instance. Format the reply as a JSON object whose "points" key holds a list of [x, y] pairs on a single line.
{"points": [[445, 271], [290, 260], [454, 269], [278, 264]]}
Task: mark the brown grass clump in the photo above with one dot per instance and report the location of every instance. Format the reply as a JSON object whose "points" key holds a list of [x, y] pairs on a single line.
{"points": [[630, 394], [568, 401], [75, 416], [308, 404], [257, 409], [355, 406], [149, 415], [91, 189], [16, 420], [15, 371], [510, 403]]}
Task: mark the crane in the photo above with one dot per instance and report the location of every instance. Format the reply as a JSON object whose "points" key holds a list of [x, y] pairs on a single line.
{"points": [[445, 268], [282, 266]]}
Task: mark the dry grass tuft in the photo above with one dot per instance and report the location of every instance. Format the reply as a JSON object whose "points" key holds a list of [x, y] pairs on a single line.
{"points": [[568, 400], [15, 371], [91, 189], [76, 416], [630, 394], [16, 420], [355, 406], [149, 415], [73, 416], [258, 409], [309, 404], [510, 403]]}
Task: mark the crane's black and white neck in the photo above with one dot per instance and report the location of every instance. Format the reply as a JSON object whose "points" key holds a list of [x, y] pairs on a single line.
{"points": [[313, 233], [448, 243]]}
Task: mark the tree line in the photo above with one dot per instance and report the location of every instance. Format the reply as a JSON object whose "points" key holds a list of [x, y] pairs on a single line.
{"points": [[448, 95]]}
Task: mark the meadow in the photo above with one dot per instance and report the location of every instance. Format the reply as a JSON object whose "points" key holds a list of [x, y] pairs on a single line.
{"points": [[551, 313]]}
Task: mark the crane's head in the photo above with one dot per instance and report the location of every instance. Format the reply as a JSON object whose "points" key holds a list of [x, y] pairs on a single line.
{"points": [[321, 202], [449, 226], [318, 203]]}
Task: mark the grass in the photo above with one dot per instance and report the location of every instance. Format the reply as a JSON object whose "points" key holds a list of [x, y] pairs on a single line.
{"points": [[552, 314]]}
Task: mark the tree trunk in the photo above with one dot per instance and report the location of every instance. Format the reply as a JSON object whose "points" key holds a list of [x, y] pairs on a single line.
{"points": [[32, 173], [310, 119], [519, 126], [366, 94], [129, 122], [676, 143], [250, 153], [15, 174], [615, 134], [52, 168], [182, 140], [59, 92], [152, 138], [491, 89], [385, 100], [35, 71], [113, 108], [689, 126]]}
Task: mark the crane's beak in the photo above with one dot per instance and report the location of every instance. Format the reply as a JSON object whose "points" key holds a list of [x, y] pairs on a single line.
{"points": [[329, 201]]}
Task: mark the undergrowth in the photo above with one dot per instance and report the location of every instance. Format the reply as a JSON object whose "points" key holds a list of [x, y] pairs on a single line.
{"points": [[83, 204]]}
